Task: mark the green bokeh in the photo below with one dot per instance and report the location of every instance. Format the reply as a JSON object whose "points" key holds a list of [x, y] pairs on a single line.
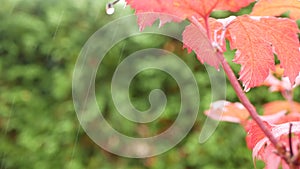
{"points": [[39, 45]]}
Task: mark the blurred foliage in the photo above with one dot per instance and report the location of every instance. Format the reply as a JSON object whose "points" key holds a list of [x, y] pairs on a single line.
{"points": [[39, 45]]}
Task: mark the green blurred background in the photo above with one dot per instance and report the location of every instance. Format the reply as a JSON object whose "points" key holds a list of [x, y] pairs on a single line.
{"points": [[39, 44]]}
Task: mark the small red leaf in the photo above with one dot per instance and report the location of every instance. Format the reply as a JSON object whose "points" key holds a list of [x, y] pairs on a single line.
{"points": [[254, 133], [256, 39], [278, 106], [264, 150], [148, 18], [292, 117], [274, 118], [279, 83], [267, 154], [276, 8], [226, 111], [195, 38]]}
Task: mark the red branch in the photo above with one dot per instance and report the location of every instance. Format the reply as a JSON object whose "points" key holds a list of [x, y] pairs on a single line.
{"points": [[244, 100]]}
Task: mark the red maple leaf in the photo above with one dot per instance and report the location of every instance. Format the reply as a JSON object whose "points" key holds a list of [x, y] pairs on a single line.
{"points": [[195, 38], [276, 8], [256, 39], [179, 10]]}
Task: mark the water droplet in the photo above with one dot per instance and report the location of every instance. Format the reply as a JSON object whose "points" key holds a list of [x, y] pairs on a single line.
{"points": [[110, 9]]}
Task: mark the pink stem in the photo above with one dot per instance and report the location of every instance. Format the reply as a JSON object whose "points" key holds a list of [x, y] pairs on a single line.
{"points": [[244, 100]]}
